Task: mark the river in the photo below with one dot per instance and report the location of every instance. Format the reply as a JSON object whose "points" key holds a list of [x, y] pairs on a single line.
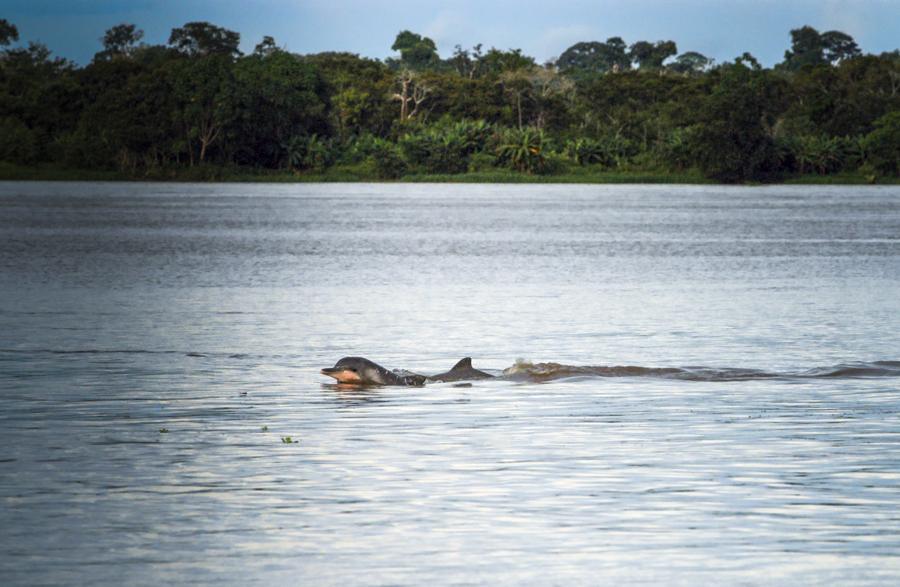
{"points": [[723, 404]]}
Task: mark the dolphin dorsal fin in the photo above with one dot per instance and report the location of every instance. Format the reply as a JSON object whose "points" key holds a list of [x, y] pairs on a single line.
{"points": [[464, 363]]}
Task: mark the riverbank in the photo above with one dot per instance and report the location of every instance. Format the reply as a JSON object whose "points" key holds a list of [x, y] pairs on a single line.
{"points": [[362, 173]]}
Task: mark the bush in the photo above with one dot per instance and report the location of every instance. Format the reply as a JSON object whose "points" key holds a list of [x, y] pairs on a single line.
{"points": [[675, 149], [882, 145], [358, 149], [447, 148], [524, 150], [733, 140], [309, 152], [587, 151], [387, 160], [18, 143], [481, 162]]}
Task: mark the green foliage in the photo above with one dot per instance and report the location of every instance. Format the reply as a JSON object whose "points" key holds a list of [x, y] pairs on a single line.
{"points": [[197, 109], [882, 145], [823, 155], [675, 149], [481, 162], [733, 141], [8, 32], [651, 55], [387, 160], [18, 143], [416, 51], [447, 148], [121, 41], [276, 98], [690, 63], [524, 150], [309, 153], [809, 48], [593, 58], [203, 39]]}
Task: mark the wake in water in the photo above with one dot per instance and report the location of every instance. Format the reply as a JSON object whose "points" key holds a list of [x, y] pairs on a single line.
{"points": [[539, 372], [524, 370]]}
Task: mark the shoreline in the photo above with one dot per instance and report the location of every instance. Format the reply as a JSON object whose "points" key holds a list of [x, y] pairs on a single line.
{"points": [[215, 174]]}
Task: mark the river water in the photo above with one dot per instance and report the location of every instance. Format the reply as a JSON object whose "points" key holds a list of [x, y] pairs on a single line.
{"points": [[706, 385]]}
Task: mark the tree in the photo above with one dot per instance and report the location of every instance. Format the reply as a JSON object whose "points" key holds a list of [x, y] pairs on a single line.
{"points": [[466, 64], [412, 91], [8, 32], [416, 51], [523, 149], [266, 47], [40, 93], [495, 61], [806, 49], [359, 91], [882, 145], [120, 41], [838, 46], [810, 48], [204, 89], [277, 98], [594, 58], [733, 140], [690, 63], [650, 56], [203, 38]]}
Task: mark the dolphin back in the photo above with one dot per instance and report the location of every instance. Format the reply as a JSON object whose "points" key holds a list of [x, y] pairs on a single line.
{"points": [[461, 371]]}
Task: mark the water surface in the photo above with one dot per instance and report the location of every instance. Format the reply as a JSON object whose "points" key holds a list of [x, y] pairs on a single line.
{"points": [[739, 422]]}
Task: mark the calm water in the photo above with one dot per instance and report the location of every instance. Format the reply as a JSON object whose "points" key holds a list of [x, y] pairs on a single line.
{"points": [[158, 341]]}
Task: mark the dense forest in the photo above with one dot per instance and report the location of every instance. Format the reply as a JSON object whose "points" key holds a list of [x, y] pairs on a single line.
{"points": [[199, 103]]}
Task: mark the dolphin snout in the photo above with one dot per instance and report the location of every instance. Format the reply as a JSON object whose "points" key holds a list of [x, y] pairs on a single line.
{"points": [[342, 374]]}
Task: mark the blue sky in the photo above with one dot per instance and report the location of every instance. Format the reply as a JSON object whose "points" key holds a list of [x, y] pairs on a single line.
{"points": [[721, 29]]}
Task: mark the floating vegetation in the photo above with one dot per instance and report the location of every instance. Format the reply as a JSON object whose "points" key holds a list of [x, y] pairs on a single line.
{"points": [[163, 430], [288, 440], [265, 428]]}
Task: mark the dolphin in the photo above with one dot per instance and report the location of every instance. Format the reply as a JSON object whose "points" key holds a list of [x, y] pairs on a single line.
{"points": [[362, 371], [461, 371]]}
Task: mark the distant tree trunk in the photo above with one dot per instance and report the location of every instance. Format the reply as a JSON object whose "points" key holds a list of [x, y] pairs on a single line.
{"points": [[403, 97], [411, 91]]}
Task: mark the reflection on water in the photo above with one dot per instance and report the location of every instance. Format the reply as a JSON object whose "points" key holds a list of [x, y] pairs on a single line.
{"points": [[708, 389]]}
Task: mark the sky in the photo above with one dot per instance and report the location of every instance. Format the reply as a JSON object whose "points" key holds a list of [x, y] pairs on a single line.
{"points": [[721, 29]]}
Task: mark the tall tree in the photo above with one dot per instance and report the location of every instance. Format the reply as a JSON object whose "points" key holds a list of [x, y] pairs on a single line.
{"points": [[277, 97], [838, 46], [691, 63], [8, 32], [416, 52], [734, 140], [203, 38], [121, 40], [588, 58], [204, 90], [810, 48], [650, 56]]}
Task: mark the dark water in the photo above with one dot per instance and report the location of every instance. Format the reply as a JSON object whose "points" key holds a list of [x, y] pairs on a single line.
{"points": [[702, 385]]}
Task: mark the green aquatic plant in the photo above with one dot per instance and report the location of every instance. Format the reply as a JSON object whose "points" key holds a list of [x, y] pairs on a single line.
{"points": [[163, 430], [265, 428], [288, 440]]}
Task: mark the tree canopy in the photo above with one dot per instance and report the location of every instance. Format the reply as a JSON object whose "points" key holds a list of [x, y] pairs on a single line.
{"points": [[148, 109]]}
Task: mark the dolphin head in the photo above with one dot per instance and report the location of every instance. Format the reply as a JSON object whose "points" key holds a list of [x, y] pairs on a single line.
{"points": [[358, 371]]}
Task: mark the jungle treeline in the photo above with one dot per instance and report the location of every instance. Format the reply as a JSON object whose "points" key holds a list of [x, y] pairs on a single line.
{"points": [[198, 102]]}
